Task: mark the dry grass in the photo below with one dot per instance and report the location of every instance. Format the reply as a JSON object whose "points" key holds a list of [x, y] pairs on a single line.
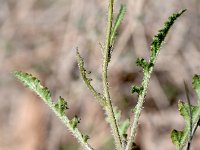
{"points": [[40, 36]]}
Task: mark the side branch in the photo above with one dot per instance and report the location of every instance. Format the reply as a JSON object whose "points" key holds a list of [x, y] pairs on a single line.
{"points": [[148, 69], [87, 80], [58, 108]]}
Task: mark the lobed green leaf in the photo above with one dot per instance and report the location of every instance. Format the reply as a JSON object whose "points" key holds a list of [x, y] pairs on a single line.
{"points": [[136, 89], [58, 108], [160, 37], [141, 62], [61, 106], [180, 138], [74, 122]]}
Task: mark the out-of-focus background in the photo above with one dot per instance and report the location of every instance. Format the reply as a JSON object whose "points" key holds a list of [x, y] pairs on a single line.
{"points": [[40, 37]]}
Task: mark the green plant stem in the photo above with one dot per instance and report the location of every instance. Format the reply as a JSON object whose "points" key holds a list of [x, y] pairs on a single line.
{"points": [[77, 134], [44, 93], [109, 107], [138, 109], [87, 81], [148, 69]]}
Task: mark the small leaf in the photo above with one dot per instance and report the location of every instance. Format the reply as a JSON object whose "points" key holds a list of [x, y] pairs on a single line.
{"points": [[61, 105], [141, 62], [74, 122], [136, 89], [117, 23], [176, 137], [83, 71], [85, 137]]}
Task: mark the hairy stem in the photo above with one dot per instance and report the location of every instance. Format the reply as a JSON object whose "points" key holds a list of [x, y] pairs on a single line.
{"points": [[87, 80], [109, 107], [138, 109], [148, 69], [58, 108], [75, 131]]}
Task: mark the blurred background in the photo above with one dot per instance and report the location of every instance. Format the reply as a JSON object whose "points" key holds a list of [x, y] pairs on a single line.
{"points": [[40, 37]]}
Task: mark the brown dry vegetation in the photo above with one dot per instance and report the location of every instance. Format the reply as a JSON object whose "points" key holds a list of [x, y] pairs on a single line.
{"points": [[40, 37]]}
